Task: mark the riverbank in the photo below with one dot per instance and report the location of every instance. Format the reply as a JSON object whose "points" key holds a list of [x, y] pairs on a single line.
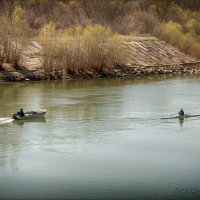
{"points": [[146, 56], [23, 74]]}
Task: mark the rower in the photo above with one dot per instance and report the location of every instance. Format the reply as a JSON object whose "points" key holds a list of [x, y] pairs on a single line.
{"points": [[181, 112]]}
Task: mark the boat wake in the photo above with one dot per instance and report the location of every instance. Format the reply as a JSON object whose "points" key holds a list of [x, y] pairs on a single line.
{"points": [[5, 120]]}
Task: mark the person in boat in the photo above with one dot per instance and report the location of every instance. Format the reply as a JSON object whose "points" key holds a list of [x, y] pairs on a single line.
{"points": [[20, 113], [181, 112]]}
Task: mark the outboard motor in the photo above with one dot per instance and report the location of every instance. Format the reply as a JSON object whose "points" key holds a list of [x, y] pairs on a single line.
{"points": [[14, 116]]}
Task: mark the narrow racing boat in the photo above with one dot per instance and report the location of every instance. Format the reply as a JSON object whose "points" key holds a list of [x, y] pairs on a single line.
{"points": [[181, 116], [30, 115]]}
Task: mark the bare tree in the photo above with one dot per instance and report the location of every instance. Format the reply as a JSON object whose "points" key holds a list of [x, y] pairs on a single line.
{"points": [[191, 4], [162, 7]]}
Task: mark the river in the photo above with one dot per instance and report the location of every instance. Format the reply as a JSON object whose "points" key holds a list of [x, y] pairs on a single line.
{"points": [[101, 139]]}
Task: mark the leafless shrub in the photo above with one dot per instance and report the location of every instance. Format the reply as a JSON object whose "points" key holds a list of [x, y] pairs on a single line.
{"points": [[93, 47], [12, 37]]}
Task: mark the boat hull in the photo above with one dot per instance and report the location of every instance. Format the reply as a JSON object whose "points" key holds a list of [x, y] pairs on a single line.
{"points": [[30, 115], [181, 117]]}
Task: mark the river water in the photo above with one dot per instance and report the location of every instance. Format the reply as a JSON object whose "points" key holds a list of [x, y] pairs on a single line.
{"points": [[101, 139]]}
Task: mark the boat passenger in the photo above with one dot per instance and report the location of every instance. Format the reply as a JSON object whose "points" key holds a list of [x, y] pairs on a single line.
{"points": [[181, 112], [20, 113]]}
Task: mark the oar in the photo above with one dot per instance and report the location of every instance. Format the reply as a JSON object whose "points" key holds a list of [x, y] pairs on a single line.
{"points": [[173, 114]]}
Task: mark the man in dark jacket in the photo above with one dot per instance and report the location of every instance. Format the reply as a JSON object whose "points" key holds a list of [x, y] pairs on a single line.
{"points": [[20, 113]]}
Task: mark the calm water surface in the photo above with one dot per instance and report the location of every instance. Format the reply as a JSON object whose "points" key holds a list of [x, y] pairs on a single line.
{"points": [[101, 139]]}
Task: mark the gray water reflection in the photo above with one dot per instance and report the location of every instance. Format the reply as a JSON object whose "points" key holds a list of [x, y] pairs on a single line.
{"points": [[101, 139]]}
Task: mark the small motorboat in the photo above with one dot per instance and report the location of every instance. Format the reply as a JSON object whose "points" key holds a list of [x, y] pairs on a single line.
{"points": [[30, 115], [181, 117], [34, 120]]}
